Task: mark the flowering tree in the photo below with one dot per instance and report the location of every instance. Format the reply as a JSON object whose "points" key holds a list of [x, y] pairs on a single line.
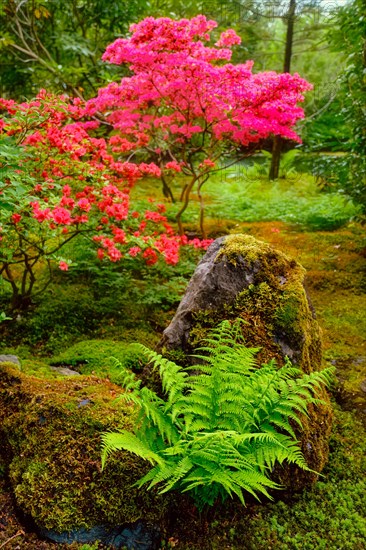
{"points": [[67, 167], [185, 104], [58, 181]]}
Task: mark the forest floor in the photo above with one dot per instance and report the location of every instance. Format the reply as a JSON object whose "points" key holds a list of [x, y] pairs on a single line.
{"points": [[330, 515]]}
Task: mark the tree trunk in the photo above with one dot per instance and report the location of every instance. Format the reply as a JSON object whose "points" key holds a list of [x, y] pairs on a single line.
{"points": [[276, 158], [277, 141]]}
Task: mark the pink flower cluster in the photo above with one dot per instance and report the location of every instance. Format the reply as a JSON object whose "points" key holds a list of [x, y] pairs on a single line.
{"points": [[178, 91]]}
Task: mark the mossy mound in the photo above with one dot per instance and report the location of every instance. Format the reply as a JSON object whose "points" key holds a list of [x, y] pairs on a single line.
{"points": [[98, 357], [50, 445], [243, 277]]}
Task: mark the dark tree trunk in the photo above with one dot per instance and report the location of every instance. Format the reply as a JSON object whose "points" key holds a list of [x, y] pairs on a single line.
{"points": [[20, 302], [277, 141], [276, 158]]}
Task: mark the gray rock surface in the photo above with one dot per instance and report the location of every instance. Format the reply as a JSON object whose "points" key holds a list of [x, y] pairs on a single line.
{"points": [[213, 284], [65, 371], [10, 359], [240, 276]]}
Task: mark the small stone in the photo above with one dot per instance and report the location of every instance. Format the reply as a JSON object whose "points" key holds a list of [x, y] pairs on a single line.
{"points": [[83, 402], [65, 371], [10, 359]]}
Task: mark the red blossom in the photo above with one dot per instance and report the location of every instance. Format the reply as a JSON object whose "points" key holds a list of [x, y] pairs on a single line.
{"points": [[64, 266], [16, 218], [150, 256]]}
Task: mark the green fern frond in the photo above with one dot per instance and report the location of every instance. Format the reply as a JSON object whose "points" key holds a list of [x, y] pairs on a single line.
{"points": [[127, 379], [181, 470], [159, 474], [124, 440], [221, 429]]}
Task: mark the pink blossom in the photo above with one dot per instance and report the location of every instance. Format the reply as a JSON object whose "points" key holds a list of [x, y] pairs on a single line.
{"points": [[84, 204], [114, 254], [66, 190], [63, 265], [134, 250], [173, 165], [41, 215], [228, 38], [154, 216], [61, 216]]}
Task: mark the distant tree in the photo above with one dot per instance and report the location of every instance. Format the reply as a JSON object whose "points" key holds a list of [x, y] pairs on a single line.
{"points": [[58, 45], [349, 37]]}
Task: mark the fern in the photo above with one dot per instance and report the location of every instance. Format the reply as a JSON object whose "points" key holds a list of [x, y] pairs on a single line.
{"points": [[220, 430]]}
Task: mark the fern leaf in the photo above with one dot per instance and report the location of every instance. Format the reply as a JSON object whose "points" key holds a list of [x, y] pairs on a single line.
{"points": [[180, 471], [126, 441]]}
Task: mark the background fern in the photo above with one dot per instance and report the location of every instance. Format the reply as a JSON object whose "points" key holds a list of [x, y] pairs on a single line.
{"points": [[221, 430]]}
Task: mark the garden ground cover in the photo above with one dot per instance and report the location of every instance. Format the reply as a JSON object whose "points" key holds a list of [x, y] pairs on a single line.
{"points": [[328, 516]]}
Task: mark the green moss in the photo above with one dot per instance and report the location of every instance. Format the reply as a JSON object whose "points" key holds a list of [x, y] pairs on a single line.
{"points": [[39, 368], [245, 246], [275, 305], [97, 357], [51, 433]]}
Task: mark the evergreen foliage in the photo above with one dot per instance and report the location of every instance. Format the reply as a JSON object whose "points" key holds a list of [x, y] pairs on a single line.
{"points": [[220, 430]]}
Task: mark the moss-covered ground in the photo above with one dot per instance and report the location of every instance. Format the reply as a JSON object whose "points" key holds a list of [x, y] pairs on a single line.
{"points": [[84, 321]]}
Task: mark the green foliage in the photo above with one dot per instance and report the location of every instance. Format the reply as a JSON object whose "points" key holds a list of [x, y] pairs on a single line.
{"points": [[94, 356], [4, 317], [348, 173], [221, 430], [10, 156], [58, 45], [152, 289], [61, 316], [292, 200], [332, 514]]}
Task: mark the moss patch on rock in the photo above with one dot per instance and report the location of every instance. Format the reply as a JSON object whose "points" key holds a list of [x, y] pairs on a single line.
{"points": [[50, 433], [279, 316]]}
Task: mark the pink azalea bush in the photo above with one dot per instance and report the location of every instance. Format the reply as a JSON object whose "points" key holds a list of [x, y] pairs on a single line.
{"points": [[183, 106]]}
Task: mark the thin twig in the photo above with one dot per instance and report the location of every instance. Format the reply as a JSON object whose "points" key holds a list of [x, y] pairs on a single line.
{"points": [[21, 532]]}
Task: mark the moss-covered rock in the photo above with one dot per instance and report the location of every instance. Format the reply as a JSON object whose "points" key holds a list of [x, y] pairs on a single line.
{"points": [[50, 443], [243, 277]]}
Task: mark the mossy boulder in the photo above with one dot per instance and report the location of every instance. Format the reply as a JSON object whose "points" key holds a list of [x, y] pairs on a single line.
{"points": [[242, 277], [50, 444]]}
